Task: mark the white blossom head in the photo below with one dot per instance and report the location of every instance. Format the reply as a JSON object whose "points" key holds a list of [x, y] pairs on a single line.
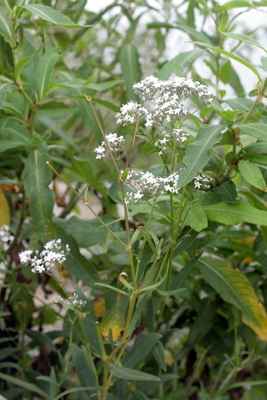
{"points": [[168, 141], [129, 113], [147, 185], [202, 182], [44, 261], [73, 302], [167, 100], [115, 142]]}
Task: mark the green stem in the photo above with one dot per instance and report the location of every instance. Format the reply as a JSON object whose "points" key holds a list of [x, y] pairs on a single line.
{"points": [[128, 237]]}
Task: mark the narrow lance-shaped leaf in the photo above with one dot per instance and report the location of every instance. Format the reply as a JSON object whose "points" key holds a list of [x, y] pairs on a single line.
{"points": [[233, 214], [233, 56], [240, 3], [20, 65], [5, 26], [26, 385], [44, 69], [198, 153], [171, 66], [37, 179], [59, 131], [132, 374], [141, 349], [252, 174], [255, 129], [243, 38], [131, 72], [84, 367], [235, 288], [54, 17]]}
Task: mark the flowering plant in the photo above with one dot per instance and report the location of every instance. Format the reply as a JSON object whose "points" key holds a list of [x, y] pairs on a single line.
{"points": [[132, 205]]}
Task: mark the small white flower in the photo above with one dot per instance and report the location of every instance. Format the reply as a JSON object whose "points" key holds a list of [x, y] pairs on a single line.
{"points": [[115, 142], [45, 261], [5, 235], [148, 185], [129, 113], [73, 302], [202, 182]]}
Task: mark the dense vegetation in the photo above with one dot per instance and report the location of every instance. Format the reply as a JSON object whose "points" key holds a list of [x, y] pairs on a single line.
{"points": [[133, 264]]}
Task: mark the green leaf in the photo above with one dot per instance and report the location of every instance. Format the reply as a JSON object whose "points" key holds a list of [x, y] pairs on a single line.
{"points": [[37, 178], [158, 354], [175, 63], [194, 34], [54, 17], [230, 55], [237, 213], [168, 293], [86, 232], [132, 374], [256, 158], [102, 86], [227, 191], [4, 87], [85, 173], [196, 218], [59, 131], [243, 38], [84, 366], [111, 106], [252, 174], [257, 130], [229, 115], [131, 72], [39, 339], [235, 288], [198, 153], [74, 390], [44, 69], [26, 385], [264, 63], [240, 3], [104, 285], [20, 65], [5, 25], [141, 349]]}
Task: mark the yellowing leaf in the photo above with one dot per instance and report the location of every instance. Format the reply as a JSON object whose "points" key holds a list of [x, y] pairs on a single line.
{"points": [[234, 287], [99, 306], [114, 319], [4, 210]]}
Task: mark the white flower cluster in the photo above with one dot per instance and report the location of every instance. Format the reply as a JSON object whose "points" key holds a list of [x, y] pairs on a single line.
{"points": [[115, 142], [168, 140], [72, 302], [167, 98], [202, 182], [45, 260], [146, 183], [5, 235], [129, 113]]}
